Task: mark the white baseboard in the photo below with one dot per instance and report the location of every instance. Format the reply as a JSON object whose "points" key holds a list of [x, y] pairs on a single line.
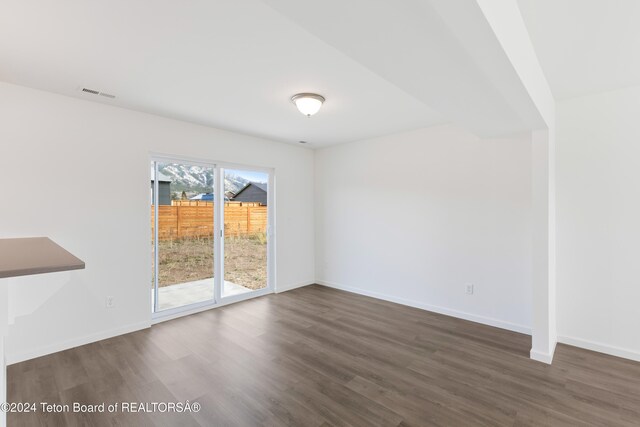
{"points": [[286, 288], [436, 309], [75, 342], [543, 357], [601, 348]]}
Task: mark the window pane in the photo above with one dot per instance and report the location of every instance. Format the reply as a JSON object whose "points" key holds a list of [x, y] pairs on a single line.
{"points": [[245, 231]]}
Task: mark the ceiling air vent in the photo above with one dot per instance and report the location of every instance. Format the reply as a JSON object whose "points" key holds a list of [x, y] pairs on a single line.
{"points": [[97, 92]]}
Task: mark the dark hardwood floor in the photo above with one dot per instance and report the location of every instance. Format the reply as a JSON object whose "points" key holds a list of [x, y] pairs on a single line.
{"points": [[320, 357]]}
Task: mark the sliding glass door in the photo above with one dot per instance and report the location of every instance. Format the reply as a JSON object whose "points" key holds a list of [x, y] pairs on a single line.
{"points": [[183, 234], [245, 231], [209, 234]]}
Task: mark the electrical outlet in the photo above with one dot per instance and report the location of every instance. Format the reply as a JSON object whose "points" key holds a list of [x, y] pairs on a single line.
{"points": [[469, 289], [109, 302]]}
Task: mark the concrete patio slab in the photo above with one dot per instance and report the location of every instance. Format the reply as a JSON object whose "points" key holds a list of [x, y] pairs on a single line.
{"points": [[192, 292]]}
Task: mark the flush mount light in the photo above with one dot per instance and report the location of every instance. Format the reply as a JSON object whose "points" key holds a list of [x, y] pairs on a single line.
{"points": [[308, 103]]}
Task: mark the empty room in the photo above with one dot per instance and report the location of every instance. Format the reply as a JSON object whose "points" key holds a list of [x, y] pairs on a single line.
{"points": [[336, 213]]}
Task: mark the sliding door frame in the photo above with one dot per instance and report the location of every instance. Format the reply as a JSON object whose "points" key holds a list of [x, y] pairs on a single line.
{"points": [[218, 225], [270, 288]]}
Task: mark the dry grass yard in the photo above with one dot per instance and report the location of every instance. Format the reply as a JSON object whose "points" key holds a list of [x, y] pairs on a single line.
{"points": [[191, 259]]}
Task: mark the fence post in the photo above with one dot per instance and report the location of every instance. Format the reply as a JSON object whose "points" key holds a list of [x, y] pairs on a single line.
{"points": [[178, 225]]}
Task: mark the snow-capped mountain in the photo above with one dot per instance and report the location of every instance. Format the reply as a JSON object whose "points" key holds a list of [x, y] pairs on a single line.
{"points": [[234, 183], [198, 179]]}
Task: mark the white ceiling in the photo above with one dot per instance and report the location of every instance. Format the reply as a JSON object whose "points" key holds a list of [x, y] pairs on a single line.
{"points": [[585, 46], [383, 66], [443, 52], [227, 64]]}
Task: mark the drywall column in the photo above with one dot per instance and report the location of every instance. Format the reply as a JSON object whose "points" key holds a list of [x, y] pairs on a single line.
{"points": [[544, 256], [509, 28]]}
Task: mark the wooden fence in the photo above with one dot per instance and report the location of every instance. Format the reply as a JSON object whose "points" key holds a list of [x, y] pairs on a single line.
{"points": [[191, 218]]}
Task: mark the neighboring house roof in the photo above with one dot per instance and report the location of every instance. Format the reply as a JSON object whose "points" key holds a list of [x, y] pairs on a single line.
{"points": [[261, 186], [207, 197], [244, 195], [203, 196]]}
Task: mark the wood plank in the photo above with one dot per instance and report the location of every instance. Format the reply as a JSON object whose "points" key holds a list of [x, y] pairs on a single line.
{"points": [[316, 356]]}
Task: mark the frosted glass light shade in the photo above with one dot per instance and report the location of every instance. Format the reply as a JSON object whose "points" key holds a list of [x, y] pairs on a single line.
{"points": [[308, 103]]}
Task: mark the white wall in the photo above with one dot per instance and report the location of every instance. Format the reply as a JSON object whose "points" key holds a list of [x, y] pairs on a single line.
{"points": [[78, 172], [598, 185], [450, 209], [413, 217]]}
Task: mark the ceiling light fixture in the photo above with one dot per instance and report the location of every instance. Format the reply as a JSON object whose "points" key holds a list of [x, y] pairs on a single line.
{"points": [[308, 103]]}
